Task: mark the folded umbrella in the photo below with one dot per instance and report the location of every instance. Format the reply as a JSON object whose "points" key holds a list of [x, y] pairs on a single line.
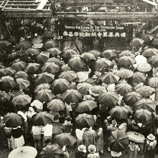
{"points": [[60, 85], [56, 105], [42, 118], [44, 95], [65, 139], [13, 120]]}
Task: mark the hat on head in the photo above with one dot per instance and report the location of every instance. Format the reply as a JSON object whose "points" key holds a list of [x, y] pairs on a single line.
{"points": [[151, 137], [82, 148], [92, 148]]}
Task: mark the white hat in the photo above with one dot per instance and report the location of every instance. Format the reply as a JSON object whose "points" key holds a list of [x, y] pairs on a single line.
{"points": [[92, 148], [82, 148], [151, 137], [37, 104]]}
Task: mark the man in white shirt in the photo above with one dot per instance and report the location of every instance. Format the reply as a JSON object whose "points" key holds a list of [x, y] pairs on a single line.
{"points": [[47, 134]]}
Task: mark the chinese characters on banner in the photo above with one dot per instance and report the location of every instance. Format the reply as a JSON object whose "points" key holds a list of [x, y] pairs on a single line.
{"points": [[94, 31]]}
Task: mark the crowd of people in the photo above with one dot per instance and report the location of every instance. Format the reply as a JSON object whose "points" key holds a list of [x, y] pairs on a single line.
{"points": [[93, 98]]}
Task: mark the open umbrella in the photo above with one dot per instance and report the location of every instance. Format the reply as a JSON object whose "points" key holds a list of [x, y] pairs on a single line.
{"points": [[42, 57], [51, 151], [50, 44], [32, 67], [136, 42], [138, 77], [22, 83], [96, 53], [153, 82], [56, 61], [83, 87], [132, 97], [68, 75], [23, 152], [32, 51], [21, 74], [145, 104], [126, 53], [143, 116], [144, 67], [154, 60], [21, 99], [54, 51], [44, 95], [56, 105], [149, 52], [68, 53], [118, 140], [108, 98], [88, 56], [76, 63], [85, 106], [50, 68], [84, 120], [119, 112], [102, 63], [13, 120], [96, 90], [19, 65], [110, 53], [126, 61], [71, 96], [42, 86], [4, 44], [145, 91], [109, 78], [7, 82], [125, 73], [9, 71], [42, 118], [2, 72], [60, 85], [65, 139], [147, 37], [123, 88], [66, 67], [44, 77]]}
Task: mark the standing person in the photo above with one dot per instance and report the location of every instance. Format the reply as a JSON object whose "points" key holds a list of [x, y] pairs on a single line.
{"points": [[150, 146], [92, 152], [37, 137], [47, 134], [89, 137], [100, 141], [133, 150], [81, 153], [18, 137]]}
